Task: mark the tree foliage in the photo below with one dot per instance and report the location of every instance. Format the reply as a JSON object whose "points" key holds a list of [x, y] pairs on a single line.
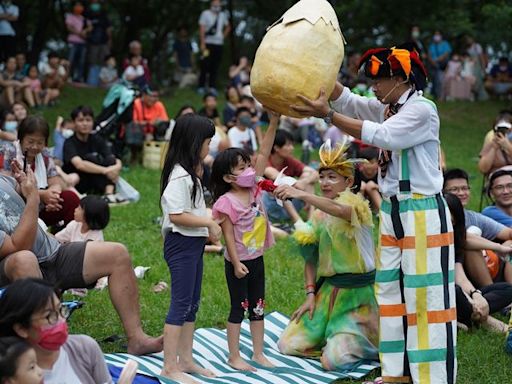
{"points": [[364, 23]]}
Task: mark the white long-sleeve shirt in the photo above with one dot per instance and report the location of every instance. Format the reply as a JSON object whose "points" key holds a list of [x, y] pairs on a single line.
{"points": [[414, 127]]}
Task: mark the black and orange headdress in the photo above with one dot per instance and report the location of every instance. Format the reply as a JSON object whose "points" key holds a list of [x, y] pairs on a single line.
{"points": [[397, 61]]}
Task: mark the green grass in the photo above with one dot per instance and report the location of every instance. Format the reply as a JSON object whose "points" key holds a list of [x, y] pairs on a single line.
{"points": [[480, 353]]}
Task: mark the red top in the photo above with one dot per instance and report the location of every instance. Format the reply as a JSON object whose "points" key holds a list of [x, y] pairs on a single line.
{"points": [[295, 167]]}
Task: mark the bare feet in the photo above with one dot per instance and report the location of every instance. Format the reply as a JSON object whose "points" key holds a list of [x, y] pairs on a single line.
{"points": [[145, 345], [192, 367], [240, 364], [178, 376], [262, 360], [495, 325]]}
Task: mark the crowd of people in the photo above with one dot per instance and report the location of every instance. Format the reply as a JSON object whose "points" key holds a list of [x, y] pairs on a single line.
{"points": [[377, 153]]}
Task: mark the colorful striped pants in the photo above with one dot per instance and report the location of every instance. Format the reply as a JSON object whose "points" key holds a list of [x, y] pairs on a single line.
{"points": [[416, 292]]}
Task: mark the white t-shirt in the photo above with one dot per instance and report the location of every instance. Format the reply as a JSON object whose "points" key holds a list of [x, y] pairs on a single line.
{"points": [[133, 72], [177, 198], [47, 70], [62, 372], [6, 28], [243, 139], [207, 20], [73, 232]]}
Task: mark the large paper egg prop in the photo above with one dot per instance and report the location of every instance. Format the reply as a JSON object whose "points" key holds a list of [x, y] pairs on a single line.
{"points": [[300, 53]]}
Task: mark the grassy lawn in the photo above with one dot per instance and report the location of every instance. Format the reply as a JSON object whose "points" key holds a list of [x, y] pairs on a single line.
{"points": [[480, 353]]}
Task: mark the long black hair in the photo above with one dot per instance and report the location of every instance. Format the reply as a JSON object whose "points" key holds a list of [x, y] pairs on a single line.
{"points": [[459, 224], [20, 300], [185, 145], [223, 165]]}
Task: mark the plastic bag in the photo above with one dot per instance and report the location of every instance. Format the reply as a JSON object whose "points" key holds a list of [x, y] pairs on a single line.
{"points": [[126, 191]]}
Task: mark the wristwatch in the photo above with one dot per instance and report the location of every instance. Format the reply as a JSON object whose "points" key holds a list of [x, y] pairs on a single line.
{"points": [[475, 291], [329, 116]]}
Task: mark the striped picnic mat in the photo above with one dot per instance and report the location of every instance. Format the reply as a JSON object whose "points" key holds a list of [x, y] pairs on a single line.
{"points": [[211, 351]]}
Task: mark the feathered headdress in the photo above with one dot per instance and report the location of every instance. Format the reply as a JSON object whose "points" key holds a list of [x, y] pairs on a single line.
{"points": [[335, 158]]}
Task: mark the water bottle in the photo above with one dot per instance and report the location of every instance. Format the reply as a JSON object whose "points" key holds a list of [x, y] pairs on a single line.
{"points": [[306, 149]]}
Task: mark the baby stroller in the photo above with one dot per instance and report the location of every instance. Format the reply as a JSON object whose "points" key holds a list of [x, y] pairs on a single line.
{"points": [[116, 113]]}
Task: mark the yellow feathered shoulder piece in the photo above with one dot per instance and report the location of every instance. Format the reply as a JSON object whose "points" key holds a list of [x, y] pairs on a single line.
{"points": [[305, 233], [361, 214], [336, 158]]}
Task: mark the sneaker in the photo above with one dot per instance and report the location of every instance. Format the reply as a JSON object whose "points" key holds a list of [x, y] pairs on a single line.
{"points": [[114, 199]]}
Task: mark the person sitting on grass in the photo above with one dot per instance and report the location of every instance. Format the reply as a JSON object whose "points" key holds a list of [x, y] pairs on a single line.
{"points": [[91, 217], [26, 250], [482, 268], [18, 362], [31, 310], [57, 202], [338, 321], [500, 191], [281, 158], [475, 304], [209, 109], [90, 156]]}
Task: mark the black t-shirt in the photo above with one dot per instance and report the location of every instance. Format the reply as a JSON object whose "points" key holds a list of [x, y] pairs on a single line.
{"points": [[100, 23], [95, 149]]}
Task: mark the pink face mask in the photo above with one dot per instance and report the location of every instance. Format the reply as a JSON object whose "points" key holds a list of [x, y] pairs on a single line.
{"points": [[247, 179], [52, 337]]}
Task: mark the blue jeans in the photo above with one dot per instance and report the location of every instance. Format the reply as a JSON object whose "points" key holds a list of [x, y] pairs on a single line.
{"points": [[184, 256], [77, 61], [275, 212]]}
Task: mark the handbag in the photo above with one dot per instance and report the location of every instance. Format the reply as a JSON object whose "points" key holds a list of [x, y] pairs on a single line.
{"points": [[134, 134]]}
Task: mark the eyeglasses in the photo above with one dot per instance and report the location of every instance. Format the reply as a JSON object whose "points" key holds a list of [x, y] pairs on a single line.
{"points": [[53, 316], [501, 188], [464, 188]]}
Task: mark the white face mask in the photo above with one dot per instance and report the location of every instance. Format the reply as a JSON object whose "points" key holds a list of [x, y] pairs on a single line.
{"points": [[67, 133]]}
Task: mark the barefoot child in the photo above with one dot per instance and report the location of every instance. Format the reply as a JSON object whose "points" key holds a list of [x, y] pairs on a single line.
{"points": [[246, 231], [338, 321], [18, 362], [185, 227]]}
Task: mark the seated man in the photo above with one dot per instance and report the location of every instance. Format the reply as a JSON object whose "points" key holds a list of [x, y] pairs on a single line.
{"points": [[26, 250], [150, 113], [500, 191], [281, 157], [90, 157], [499, 83], [497, 149], [456, 181]]}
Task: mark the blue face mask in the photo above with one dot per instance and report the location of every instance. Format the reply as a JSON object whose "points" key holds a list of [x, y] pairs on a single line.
{"points": [[245, 121], [10, 126]]}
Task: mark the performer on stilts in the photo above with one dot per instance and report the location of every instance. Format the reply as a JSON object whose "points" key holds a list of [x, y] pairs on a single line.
{"points": [[415, 269]]}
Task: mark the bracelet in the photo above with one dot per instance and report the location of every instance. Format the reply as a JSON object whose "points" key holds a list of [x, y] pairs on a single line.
{"points": [[310, 293], [310, 286], [475, 291]]}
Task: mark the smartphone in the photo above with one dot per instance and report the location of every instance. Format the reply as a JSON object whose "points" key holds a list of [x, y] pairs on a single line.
{"points": [[503, 130], [25, 161]]}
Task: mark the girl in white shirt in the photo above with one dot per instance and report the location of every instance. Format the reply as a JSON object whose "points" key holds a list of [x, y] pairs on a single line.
{"points": [[186, 226], [91, 217]]}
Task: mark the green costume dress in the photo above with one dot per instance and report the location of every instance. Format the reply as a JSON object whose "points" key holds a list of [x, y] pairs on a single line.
{"points": [[344, 329]]}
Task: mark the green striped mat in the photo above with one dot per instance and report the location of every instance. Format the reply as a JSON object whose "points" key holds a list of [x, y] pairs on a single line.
{"points": [[211, 351]]}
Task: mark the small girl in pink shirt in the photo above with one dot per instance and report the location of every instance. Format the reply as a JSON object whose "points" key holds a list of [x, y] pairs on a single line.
{"points": [[91, 217], [246, 229]]}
